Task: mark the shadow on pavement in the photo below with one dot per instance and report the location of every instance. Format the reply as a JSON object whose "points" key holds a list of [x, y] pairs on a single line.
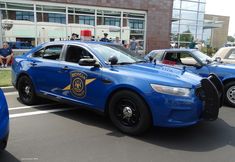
{"points": [[205, 136], [5, 156]]}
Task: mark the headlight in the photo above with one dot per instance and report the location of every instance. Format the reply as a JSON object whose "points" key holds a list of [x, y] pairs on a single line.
{"points": [[176, 91]]}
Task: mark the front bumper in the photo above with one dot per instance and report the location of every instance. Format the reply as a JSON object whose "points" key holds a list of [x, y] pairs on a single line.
{"points": [[204, 104], [211, 93]]}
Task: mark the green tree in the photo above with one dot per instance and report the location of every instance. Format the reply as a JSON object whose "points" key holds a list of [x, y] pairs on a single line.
{"points": [[186, 36], [230, 39]]}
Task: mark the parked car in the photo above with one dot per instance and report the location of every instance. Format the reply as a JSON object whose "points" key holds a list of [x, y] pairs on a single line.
{"points": [[225, 55], [107, 78], [20, 45], [4, 121], [201, 64]]}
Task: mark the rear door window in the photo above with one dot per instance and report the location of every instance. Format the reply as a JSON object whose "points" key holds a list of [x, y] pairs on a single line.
{"points": [[52, 52]]}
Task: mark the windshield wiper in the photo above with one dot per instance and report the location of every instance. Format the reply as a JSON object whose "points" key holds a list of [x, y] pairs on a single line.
{"points": [[125, 63], [142, 61]]}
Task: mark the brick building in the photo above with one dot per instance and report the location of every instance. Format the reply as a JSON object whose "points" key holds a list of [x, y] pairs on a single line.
{"points": [[149, 21]]}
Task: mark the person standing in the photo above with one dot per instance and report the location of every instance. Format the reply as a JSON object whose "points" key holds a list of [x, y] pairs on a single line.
{"points": [[117, 41], [133, 45], [74, 36], [6, 55], [105, 39]]}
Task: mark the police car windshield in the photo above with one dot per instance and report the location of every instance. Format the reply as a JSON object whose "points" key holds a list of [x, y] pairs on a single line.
{"points": [[124, 55], [202, 57]]}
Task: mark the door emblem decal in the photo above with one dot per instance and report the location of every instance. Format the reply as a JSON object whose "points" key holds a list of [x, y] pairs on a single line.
{"points": [[78, 83]]}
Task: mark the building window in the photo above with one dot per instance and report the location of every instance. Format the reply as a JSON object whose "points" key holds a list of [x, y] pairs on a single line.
{"points": [[23, 15], [112, 21], [57, 18], [89, 20], [136, 24]]}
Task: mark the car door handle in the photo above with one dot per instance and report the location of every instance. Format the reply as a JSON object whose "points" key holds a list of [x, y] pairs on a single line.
{"points": [[33, 64], [65, 68]]}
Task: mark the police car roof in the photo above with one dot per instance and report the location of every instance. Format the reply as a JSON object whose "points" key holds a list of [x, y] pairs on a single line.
{"points": [[79, 42], [175, 50]]}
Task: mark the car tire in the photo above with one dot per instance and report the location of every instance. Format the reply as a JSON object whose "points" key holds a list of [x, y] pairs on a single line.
{"points": [[229, 90], [26, 91], [129, 113], [3, 142]]}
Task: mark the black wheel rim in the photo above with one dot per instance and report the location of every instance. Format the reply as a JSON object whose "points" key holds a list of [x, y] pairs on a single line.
{"points": [[26, 90], [127, 112]]}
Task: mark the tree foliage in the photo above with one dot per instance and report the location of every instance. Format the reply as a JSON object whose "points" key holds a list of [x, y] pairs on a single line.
{"points": [[230, 39]]}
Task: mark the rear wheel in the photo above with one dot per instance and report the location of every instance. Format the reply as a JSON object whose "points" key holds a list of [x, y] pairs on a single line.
{"points": [[3, 143], [230, 94], [26, 91], [129, 113]]}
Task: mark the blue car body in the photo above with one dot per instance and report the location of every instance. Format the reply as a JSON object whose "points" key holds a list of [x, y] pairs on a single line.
{"points": [[94, 86], [202, 65], [4, 121]]}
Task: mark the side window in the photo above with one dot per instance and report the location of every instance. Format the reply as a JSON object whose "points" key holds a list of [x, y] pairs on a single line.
{"points": [[171, 58], [187, 59], [232, 54], [50, 52], [75, 53]]}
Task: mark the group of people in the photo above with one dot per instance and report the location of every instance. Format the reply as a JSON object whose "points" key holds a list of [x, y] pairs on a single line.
{"points": [[133, 45], [6, 55]]}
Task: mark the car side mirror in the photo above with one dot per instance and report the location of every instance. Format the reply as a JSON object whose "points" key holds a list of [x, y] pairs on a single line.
{"points": [[113, 60], [88, 62], [218, 59]]}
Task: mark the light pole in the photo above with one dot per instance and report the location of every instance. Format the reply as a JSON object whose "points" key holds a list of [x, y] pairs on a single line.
{"points": [[1, 28]]}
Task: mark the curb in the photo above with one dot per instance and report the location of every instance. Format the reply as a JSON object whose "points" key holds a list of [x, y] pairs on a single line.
{"points": [[8, 89]]}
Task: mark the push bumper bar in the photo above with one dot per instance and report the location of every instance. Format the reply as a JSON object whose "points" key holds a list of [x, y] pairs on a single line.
{"points": [[211, 93]]}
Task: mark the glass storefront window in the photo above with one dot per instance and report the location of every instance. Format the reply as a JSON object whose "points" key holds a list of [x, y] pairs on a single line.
{"points": [[202, 7], [190, 15], [89, 20], [191, 29], [188, 22], [112, 21], [200, 16], [50, 8], [189, 5], [177, 4], [51, 21], [24, 15], [136, 24], [57, 18], [19, 6], [133, 15], [108, 13], [176, 14], [81, 11]]}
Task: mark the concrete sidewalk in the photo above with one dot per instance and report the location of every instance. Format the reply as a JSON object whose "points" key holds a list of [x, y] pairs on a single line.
{"points": [[8, 89]]}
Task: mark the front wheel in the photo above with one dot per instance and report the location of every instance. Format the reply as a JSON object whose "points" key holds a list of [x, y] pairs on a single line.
{"points": [[129, 113], [26, 91], [230, 94]]}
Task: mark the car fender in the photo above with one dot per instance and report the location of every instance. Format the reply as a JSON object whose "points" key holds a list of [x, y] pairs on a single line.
{"points": [[120, 87], [227, 79]]}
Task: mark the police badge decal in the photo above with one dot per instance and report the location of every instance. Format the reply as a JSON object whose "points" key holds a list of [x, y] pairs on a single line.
{"points": [[78, 84]]}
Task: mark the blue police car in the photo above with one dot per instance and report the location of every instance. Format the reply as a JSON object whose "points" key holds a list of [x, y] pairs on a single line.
{"points": [[201, 64], [4, 121], [108, 78]]}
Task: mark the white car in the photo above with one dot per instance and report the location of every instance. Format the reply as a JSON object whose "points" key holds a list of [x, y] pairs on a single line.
{"points": [[226, 54]]}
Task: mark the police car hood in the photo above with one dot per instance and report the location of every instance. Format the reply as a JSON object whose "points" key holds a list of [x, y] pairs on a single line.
{"points": [[222, 69], [162, 74]]}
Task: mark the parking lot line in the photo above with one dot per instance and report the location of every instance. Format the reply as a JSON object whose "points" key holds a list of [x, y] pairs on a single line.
{"points": [[39, 112], [10, 93], [28, 107]]}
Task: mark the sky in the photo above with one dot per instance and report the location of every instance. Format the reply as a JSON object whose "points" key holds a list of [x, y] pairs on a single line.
{"points": [[224, 8]]}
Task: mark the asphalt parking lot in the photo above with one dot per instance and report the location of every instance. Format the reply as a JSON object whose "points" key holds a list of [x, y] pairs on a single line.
{"points": [[53, 132]]}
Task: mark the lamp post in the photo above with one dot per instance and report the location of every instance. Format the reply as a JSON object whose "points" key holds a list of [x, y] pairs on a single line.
{"points": [[1, 28]]}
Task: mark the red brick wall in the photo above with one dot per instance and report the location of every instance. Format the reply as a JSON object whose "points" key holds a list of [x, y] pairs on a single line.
{"points": [[158, 19]]}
